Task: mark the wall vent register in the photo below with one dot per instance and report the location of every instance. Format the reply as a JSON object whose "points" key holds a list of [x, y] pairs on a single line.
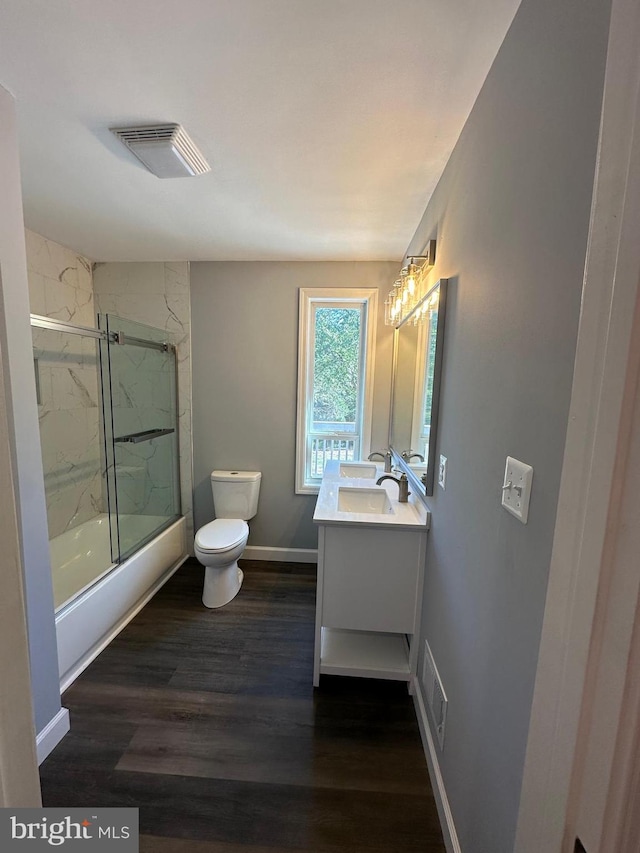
{"points": [[435, 696]]}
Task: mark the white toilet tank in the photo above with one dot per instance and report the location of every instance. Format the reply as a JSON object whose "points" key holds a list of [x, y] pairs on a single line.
{"points": [[235, 493]]}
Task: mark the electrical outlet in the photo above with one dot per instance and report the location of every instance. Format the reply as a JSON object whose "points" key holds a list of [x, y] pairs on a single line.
{"points": [[442, 472], [516, 488]]}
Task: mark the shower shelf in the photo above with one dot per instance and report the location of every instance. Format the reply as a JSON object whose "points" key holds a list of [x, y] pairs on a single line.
{"points": [[147, 435]]}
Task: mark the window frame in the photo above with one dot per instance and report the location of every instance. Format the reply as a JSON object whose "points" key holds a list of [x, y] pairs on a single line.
{"points": [[309, 297]]}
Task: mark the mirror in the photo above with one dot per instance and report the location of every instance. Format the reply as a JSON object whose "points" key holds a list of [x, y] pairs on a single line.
{"points": [[415, 393]]}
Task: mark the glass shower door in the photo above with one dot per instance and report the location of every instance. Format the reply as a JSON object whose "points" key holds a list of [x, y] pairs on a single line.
{"points": [[66, 364], [143, 432]]}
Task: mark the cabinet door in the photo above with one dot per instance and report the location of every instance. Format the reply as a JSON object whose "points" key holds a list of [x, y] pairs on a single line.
{"points": [[370, 579]]}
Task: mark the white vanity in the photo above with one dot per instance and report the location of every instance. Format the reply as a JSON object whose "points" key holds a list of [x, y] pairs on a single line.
{"points": [[371, 555]]}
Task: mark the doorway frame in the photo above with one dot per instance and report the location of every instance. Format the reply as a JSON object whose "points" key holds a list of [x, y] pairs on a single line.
{"points": [[19, 780], [599, 395]]}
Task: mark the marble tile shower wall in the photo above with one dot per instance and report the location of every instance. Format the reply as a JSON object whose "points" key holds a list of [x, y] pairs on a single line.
{"points": [[67, 286], [141, 384], [157, 294], [60, 286]]}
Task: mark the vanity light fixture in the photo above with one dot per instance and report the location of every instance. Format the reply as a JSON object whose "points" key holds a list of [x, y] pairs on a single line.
{"points": [[409, 289]]}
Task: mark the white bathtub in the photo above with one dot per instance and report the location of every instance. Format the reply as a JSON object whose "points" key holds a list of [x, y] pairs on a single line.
{"points": [[82, 555], [106, 597]]}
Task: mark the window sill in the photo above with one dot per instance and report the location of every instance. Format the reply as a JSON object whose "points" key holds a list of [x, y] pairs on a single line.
{"points": [[307, 490]]}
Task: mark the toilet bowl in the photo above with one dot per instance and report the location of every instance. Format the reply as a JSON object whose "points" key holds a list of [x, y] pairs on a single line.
{"points": [[219, 546], [220, 543]]}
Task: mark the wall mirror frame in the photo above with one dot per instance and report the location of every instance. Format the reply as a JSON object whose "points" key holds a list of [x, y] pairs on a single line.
{"points": [[415, 388]]}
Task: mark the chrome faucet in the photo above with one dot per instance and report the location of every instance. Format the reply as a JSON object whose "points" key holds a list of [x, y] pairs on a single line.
{"points": [[386, 456], [403, 486], [407, 455]]}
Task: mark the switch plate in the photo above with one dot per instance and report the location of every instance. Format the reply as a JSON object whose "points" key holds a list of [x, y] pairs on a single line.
{"points": [[516, 488], [442, 472]]}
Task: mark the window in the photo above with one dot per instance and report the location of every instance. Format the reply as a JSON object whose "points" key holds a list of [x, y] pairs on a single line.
{"points": [[335, 373]]}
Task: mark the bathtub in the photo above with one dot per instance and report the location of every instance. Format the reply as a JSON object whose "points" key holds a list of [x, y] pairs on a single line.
{"points": [[94, 598]]}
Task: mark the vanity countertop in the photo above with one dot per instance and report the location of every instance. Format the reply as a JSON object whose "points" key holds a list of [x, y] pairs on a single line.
{"points": [[410, 515]]}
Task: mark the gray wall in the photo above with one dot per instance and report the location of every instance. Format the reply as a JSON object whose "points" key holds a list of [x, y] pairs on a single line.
{"points": [[23, 423], [245, 344], [511, 216]]}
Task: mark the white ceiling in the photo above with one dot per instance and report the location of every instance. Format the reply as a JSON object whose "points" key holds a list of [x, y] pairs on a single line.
{"points": [[327, 123]]}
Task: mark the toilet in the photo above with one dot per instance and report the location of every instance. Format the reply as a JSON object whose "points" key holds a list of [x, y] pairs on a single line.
{"points": [[220, 543]]}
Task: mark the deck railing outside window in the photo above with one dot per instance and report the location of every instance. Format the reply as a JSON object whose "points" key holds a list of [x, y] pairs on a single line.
{"points": [[323, 450]]}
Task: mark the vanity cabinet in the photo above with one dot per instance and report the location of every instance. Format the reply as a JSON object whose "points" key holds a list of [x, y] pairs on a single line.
{"points": [[369, 593], [371, 560]]}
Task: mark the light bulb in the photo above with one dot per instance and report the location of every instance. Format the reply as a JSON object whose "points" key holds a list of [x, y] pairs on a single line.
{"points": [[412, 278]]}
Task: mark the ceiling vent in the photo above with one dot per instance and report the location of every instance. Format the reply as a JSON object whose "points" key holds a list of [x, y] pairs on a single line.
{"points": [[165, 149]]}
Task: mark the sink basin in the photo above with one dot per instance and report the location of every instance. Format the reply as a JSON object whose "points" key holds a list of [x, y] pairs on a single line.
{"points": [[352, 499], [364, 470]]}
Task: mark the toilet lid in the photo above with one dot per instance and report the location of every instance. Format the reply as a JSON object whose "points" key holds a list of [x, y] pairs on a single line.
{"points": [[222, 534]]}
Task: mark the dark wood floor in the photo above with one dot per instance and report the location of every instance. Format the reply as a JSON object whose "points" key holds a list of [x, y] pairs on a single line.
{"points": [[208, 722]]}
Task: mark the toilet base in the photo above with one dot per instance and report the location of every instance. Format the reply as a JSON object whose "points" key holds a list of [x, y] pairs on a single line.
{"points": [[221, 585]]}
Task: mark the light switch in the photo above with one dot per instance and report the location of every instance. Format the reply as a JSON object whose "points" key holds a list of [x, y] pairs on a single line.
{"points": [[442, 472], [516, 489]]}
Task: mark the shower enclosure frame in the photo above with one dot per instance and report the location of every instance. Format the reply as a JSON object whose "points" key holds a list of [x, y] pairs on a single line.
{"points": [[121, 338], [90, 619]]}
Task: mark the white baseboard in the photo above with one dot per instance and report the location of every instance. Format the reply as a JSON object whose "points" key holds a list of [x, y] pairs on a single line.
{"points": [[437, 782], [52, 734], [282, 555]]}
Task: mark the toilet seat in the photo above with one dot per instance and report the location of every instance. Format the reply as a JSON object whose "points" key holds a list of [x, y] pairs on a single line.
{"points": [[221, 534]]}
